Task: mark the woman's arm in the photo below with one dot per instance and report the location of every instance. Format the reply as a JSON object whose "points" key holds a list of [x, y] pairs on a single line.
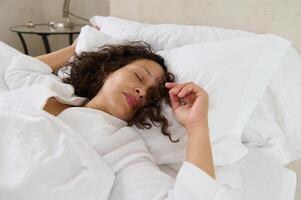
{"points": [[199, 149], [59, 58], [190, 106]]}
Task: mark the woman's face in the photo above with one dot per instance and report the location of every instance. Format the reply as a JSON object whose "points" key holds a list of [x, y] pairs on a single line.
{"points": [[124, 90]]}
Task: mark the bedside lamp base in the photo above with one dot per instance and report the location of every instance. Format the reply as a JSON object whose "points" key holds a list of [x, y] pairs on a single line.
{"points": [[66, 24]]}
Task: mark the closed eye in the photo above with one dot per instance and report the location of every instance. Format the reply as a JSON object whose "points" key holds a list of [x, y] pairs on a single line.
{"points": [[138, 77]]}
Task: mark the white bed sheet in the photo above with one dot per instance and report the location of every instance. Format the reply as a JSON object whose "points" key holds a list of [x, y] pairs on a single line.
{"points": [[275, 122]]}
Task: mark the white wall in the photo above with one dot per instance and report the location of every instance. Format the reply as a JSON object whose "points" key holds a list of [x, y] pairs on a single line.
{"points": [[16, 12], [281, 17]]}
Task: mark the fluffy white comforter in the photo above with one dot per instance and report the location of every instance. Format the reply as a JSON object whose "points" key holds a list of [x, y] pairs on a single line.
{"points": [[42, 158]]}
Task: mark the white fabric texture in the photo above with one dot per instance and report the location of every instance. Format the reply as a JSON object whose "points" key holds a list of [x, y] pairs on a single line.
{"points": [[41, 157], [6, 55], [85, 43], [275, 123], [119, 148], [262, 177]]}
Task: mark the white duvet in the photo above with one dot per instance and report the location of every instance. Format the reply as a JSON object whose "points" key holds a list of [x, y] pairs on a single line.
{"points": [[42, 158]]}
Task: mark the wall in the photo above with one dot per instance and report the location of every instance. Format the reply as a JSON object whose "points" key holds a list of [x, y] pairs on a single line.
{"points": [[15, 12], [281, 17]]}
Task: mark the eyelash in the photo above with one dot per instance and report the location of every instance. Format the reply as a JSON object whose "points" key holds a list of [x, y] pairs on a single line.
{"points": [[138, 77]]}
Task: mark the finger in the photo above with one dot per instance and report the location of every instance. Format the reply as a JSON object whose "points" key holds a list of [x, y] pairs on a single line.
{"points": [[170, 85], [188, 89], [175, 101], [193, 89], [177, 88]]}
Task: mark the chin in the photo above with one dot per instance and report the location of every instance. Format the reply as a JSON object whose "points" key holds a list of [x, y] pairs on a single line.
{"points": [[120, 108], [123, 113], [126, 117]]}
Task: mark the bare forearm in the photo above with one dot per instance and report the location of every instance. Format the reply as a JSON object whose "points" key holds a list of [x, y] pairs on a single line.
{"points": [[199, 148], [59, 58]]}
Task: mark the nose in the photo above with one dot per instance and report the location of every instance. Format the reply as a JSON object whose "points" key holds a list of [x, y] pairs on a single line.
{"points": [[141, 92]]}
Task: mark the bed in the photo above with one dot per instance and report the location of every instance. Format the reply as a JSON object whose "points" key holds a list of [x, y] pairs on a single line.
{"points": [[140, 12]]}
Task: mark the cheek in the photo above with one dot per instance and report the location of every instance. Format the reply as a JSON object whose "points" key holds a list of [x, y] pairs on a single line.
{"points": [[111, 92], [116, 81], [115, 100], [111, 85]]}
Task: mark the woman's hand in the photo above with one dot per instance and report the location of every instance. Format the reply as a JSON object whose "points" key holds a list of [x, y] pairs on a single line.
{"points": [[189, 103]]}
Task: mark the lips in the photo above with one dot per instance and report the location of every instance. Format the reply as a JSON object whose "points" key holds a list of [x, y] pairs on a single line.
{"points": [[132, 101]]}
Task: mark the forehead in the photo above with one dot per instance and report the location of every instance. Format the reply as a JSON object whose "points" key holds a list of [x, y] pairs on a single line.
{"points": [[151, 67]]}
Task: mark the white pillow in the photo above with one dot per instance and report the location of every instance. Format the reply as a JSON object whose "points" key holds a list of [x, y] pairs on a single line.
{"points": [[163, 36], [90, 39], [235, 73]]}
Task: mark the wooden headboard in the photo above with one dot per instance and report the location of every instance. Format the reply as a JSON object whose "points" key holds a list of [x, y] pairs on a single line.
{"points": [[278, 17]]}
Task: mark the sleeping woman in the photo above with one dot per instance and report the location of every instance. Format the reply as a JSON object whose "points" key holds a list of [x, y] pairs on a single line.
{"points": [[116, 87]]}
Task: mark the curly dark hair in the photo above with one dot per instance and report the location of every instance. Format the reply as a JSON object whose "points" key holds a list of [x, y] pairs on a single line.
{"points": [[89, 70]]}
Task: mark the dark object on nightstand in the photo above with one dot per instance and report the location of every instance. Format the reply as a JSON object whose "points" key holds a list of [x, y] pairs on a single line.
{"points": [[44, 30]]}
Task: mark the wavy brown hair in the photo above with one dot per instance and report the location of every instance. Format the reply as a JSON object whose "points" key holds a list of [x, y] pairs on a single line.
{"points": [[89, 70]]}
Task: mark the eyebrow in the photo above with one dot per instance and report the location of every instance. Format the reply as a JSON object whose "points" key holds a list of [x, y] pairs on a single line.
{"points": [[147, 71]]}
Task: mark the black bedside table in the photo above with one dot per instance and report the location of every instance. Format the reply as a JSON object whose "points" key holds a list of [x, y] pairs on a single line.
{"points": [[44, 30]]}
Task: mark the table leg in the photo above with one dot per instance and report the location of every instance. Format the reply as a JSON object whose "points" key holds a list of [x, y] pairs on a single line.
{"points": [[70, 38], [46, 43], [23, 43]]}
